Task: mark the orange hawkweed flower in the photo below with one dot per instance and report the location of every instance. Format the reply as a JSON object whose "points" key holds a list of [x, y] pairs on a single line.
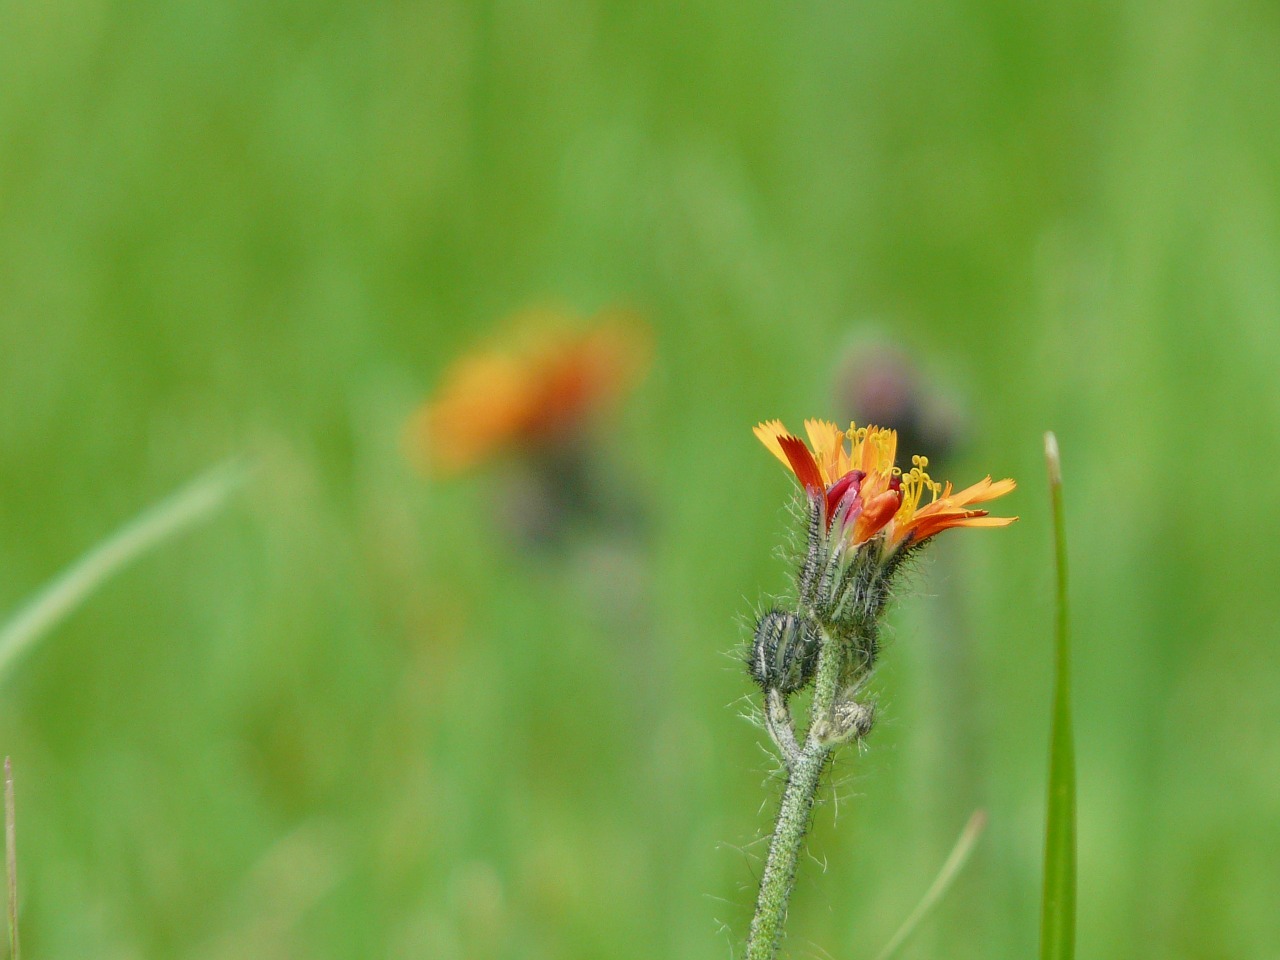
{"points": [[852, 477], [534, 390]]}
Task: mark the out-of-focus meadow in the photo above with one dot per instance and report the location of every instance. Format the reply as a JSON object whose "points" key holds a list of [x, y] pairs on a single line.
{"points": [[356, 715]]}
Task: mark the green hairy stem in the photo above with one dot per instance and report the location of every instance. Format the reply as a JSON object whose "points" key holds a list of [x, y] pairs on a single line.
{"points": [[796, 810]]}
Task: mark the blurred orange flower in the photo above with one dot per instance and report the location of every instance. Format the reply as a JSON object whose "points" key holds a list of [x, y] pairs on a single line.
{"points": [[548, 376]]}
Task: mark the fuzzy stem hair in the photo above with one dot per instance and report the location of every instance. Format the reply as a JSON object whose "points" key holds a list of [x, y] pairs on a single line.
{"points": [[796, 809]]}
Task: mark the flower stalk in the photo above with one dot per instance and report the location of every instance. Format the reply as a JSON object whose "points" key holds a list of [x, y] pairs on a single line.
{"points": [[864, 517], [794, 814]]}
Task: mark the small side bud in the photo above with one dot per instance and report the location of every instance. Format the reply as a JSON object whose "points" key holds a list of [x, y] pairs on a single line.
{"points": [[784, 652], [855, 719], [849, 721]]}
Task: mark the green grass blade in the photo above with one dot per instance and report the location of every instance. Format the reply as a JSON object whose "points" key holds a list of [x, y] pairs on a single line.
{"points": [[11, 857], [1058, 909], [149, 529], [955, 862]]}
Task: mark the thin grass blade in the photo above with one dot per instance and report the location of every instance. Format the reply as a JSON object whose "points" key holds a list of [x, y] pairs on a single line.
{"points": [[149, 529], [1058, 908], [951, 868], [11, 856]]}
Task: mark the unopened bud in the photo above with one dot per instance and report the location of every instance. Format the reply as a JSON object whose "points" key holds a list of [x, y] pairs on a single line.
{"points": [[849, 720], [784, 652], [855, 719]]}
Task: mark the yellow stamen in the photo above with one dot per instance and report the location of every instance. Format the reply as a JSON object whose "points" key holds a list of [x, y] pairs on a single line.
{"points": [[914, 483]]}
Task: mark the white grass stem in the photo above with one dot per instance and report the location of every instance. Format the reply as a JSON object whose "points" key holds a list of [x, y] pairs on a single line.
{"points": [[158, 523], [955, 862]]}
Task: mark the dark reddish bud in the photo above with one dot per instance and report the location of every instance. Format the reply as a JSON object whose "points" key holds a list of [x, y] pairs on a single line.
{"points": [[839, 491]]}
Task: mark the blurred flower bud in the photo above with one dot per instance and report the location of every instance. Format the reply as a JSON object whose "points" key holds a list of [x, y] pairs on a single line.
{"points": [[877, 382]]}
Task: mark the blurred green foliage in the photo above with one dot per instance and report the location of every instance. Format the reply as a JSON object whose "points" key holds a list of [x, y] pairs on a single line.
{"points": [[352, 719]]}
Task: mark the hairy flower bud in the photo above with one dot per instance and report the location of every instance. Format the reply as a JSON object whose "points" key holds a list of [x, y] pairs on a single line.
{"points": [[848, 721], [784, 652], [852, 719]]}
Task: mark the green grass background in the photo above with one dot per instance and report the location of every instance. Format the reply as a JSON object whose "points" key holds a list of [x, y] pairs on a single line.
{"points": [[351, 719]]}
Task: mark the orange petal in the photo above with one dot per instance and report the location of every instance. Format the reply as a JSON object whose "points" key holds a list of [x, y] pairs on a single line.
{"points": [[484, 402], [828, 448], [982, 491], [929, 526], [986, 521], [875, 515], [802, 463], [768, 434]]}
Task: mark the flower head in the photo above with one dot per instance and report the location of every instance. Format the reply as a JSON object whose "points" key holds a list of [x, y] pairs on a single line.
{"points": [[535, 389], [853, 481]]}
